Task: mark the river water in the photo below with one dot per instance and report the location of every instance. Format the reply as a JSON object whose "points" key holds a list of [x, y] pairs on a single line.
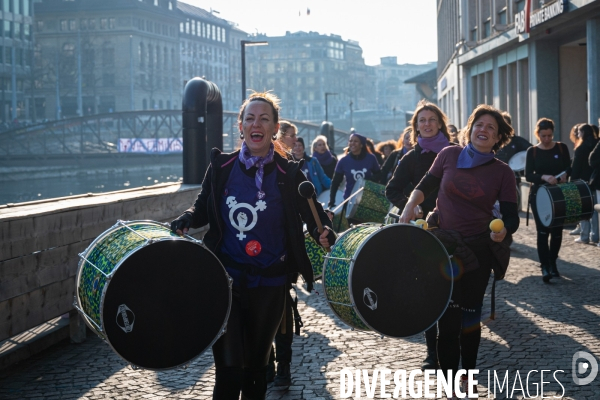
{"points": [[67, 183]]}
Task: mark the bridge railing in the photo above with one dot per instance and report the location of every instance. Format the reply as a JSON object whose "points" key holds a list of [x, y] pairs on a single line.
{"points": [[112, 133]]}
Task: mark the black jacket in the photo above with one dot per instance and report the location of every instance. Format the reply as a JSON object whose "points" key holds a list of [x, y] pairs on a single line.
{"points": [[206, 209], [580, 168], [594, 160]]}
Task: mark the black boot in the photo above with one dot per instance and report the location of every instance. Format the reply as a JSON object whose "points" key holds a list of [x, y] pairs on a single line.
{"points": [[554, 270], [271, 367], [284, 376], [546, 274], [431, 361]]}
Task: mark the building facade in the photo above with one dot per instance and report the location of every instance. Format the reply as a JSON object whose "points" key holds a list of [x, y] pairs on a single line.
{"points": [[532, 58], [311, 72], [15, 60], [210, 48], [103, 56]]}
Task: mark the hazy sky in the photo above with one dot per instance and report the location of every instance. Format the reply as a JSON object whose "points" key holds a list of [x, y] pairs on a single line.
{"points": [[403, 28]]}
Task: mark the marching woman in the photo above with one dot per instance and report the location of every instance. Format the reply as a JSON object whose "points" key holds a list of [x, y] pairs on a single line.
{"points": [[544, 162], [357, 163], [286, 138], [429, 135], [259, 246], [391, 163], [324, 156], [470, 180], [312, 169]]}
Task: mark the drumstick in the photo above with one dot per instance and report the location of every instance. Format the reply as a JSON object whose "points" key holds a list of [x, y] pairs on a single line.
{"points": [[347, 200], [307, 190]]}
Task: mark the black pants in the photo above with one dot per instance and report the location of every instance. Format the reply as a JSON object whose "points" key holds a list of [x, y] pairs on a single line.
{"points": [[242, 353], [282, 352], [548, 253], [460, 326]]}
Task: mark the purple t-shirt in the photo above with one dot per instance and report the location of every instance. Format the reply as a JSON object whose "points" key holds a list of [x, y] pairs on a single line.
{"points": [[467, 196], [353, 169]]}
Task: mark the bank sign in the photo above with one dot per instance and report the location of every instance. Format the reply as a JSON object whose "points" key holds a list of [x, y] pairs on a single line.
{"points": [[526, 20]]}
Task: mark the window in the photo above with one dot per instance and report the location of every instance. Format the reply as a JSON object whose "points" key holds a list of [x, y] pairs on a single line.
{"points": [[111, 23], [502, 16], [103, 23], [193, 28], [92, 24], [170, 5], [487, 28], [473, 34], [17, 30], [16, 9], [83, 24], [108, 56], [27, 31], [26, 8], [63, 25], [6, 6], [520, 5], [8, 55], [72, 25], [40, 26]]}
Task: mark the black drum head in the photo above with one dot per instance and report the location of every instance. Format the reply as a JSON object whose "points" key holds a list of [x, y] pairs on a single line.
{"points": [[401, 280], [166, 304]]}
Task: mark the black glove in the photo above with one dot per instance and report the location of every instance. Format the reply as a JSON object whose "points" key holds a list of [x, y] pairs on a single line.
{"points": [[331, 206], [182, 222], [331, 236]]}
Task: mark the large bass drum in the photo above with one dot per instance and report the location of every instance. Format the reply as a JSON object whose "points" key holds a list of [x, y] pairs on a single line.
{"points": [[395, 279], [158, 299], [565, 203]]}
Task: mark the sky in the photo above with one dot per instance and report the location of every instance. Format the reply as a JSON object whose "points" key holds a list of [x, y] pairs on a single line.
{"points": [[406, 29]]}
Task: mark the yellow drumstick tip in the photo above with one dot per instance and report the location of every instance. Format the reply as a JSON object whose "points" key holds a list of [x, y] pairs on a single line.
{"points": [[496, 225], [422, 222]]}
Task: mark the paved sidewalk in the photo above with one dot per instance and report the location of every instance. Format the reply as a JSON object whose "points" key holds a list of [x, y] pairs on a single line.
{"points": [[539, 326]]}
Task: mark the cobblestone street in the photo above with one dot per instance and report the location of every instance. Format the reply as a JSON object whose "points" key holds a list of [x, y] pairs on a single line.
{"points": [[538, 327]]}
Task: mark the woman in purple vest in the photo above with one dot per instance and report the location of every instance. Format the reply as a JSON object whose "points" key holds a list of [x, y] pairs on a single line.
{"points": [[357, 163], [251, 202], [470, 180]]}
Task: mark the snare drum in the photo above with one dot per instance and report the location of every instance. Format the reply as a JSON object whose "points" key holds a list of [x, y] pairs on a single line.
{"points": [[159, 300], [393, 279], [565, 203], [316, 254], [369, 205], [517, 162]]}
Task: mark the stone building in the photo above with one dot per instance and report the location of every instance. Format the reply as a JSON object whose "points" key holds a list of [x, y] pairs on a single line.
{"points": [[103, 56], [15, 60], [532, 58]]}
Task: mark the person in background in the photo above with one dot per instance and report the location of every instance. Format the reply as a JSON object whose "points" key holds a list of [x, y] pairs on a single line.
{"points": [[259, 259], [545, 161], [429, 135], [372, 150], [453, 132], [404, 145], [357, 163], [286, 138], [585, 141], [594, 161], [470, 180], [516, 144], [386, 148], [312, 169], [324, 156]]}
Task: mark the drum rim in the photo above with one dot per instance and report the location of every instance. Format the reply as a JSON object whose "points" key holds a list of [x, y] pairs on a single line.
{"points": [[358, 249], [353, 202], [520, 154], [118, 265]]}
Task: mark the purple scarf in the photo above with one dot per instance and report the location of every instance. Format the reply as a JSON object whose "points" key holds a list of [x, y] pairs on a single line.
{"points": [[469, 157], [435, 143], [324, 158], [259, 162]]}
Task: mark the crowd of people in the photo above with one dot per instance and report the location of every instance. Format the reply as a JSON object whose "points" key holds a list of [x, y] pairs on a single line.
{"points": [[458, 179]]}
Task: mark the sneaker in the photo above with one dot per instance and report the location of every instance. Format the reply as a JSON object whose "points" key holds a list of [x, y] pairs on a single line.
{"points": [[580, 240], [576, 231]]}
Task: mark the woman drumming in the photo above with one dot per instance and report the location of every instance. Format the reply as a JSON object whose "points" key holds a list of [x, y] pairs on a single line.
{"points": [[544, 161], [429, 136], [312, 169], [470, 180], [260, 258], [391, 163], [585, 141], [323, 155], [357, 163]]}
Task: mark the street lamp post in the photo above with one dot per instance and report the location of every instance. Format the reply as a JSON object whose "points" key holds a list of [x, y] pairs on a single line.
{"points": [[245, 43], [351, 122], [327, 94]]}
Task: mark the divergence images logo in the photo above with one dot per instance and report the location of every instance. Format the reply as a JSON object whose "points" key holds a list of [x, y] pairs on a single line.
{"points": [[581, 368]]}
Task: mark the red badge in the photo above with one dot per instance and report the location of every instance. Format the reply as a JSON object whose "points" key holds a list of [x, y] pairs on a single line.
{"points": [[253, 248]]}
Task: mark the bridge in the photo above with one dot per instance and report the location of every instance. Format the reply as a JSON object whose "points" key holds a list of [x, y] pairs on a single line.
{"points": [[118, 135]]}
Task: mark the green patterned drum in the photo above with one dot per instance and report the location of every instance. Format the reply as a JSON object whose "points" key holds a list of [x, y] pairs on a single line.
{"points": [[368, 205], [158, 299], [316, 254], [393, 279], [566, 203]]}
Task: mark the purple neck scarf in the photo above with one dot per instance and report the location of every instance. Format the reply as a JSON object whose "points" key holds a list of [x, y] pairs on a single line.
{"points": [[324, 158], [469, 157], [259, 162], [435, 143]]}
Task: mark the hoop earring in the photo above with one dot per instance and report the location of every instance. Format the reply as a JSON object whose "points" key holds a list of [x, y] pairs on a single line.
{"points": [[241, 136]]}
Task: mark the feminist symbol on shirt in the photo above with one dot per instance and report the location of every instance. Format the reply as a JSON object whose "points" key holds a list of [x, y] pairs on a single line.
{"points": [[242, 217], [359, 174]]}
